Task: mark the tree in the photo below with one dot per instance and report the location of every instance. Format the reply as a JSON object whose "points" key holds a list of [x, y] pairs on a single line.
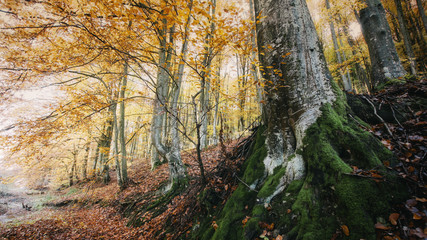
{"points": [[405, 35], [385, 63], [304, 165], [422, 14], [345, 78]]}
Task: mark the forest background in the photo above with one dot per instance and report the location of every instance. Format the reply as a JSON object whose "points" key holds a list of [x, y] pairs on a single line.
{"points": [[94, 88]]}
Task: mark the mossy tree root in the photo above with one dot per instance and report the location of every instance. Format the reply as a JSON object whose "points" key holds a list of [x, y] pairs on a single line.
{"points": [[328, 197]]}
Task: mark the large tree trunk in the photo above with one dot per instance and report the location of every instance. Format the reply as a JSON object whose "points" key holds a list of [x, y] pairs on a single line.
{"points": [[300, 177], [385, 63], [293, 100]]}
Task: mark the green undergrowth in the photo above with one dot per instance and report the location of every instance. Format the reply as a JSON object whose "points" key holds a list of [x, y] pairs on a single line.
{"points": [[328, 197]]}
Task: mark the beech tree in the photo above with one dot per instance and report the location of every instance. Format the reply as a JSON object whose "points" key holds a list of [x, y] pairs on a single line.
{"points": [[385, 63], [311, 143]]}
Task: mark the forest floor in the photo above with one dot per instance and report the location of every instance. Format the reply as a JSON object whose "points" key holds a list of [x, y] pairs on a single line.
{"points": [[92, 210]]}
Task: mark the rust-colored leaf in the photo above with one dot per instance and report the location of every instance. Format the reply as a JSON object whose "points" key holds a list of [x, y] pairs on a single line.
{"points": [[244, 221], [417, 216], [381, 226], [421, 200], [393, 218], [214, 225], [345, 230]]}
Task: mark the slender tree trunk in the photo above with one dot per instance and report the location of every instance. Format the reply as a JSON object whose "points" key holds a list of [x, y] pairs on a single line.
{"points": [[160, 98], [116, 147], [73, 167], [204, 80], [106, 139], [385, 63], [95, 161], [346, 81], [172, 152], [176, 167], [361, 72], [122, 136], [406, 38], [86, 160], [215, 118], [254, 68], [422, 14]]}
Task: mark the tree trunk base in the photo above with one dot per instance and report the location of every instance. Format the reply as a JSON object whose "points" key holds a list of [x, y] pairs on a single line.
{"points": [[331, 200]]}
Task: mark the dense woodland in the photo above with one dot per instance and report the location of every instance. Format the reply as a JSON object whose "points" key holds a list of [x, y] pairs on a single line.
{"points": [[245, 119]]}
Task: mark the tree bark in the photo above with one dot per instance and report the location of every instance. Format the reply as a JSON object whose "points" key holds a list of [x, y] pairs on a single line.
{"points": [[385, 63], [292, 106]]}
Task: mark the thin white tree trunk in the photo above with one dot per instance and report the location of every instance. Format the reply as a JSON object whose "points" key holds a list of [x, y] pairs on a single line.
{"points": [[345, 79]]}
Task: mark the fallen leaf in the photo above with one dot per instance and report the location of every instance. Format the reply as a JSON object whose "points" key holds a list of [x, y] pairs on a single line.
{"points": [[417, 216], [421, 200], [381, 226], [393, 218], [214, 225], [345, 230], [244, 221], [263, 235]]}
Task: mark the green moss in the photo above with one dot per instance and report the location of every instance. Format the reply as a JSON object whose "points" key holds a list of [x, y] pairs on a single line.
{"points": [[235, 210], [252, 228], [255, 166], [271, 183], [242, 201], [328, 196], [393, 81], [258, 211]]}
